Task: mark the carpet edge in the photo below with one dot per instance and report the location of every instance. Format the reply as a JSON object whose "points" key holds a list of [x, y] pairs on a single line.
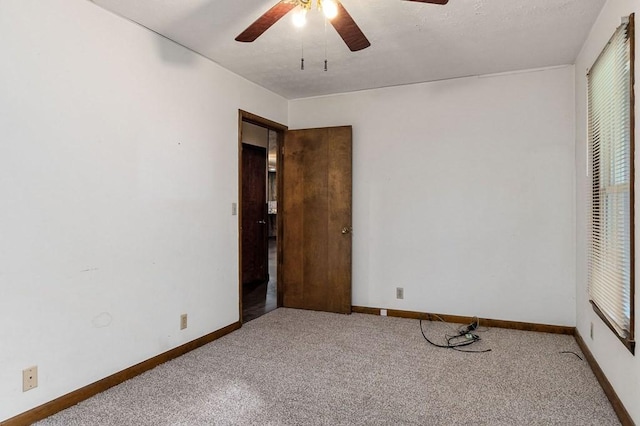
{"points": [[458, 319], [74, 397], [616, 403]]}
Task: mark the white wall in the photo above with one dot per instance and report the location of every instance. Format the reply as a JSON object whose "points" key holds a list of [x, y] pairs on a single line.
{"points": [[118, 167], [621, 368], [463, 194]]}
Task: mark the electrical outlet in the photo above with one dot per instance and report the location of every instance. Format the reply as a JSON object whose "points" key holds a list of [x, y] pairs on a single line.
{"points": [[383, 312], [29, 378], [234, 209], [183, 321], [591, 331], [399, 293]]}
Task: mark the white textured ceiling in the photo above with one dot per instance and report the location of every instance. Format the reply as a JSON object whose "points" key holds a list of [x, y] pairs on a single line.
{"points": [[410, 42]]}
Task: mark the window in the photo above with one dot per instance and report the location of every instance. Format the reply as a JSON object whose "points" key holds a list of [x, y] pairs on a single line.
{"points": [[611, 151]]}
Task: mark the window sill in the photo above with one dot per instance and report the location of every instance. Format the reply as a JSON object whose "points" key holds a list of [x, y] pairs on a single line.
{"points": [[628, 342]]}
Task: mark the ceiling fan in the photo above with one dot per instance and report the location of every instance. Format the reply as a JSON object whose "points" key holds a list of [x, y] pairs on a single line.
{"points": [[344, 24]]}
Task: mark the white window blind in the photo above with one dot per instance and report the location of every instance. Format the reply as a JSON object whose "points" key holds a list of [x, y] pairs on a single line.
{"points": [[610, 257]]}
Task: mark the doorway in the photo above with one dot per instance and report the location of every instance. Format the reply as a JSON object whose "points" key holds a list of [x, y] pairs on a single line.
{"points": [[259, 142], [308, 216]]}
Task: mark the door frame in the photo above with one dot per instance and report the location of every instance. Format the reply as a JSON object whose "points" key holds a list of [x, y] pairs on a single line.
{"points": [[244, 116]]}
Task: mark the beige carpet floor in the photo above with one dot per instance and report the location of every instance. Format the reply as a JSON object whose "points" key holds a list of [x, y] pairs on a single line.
{"points": [[293, 367]]}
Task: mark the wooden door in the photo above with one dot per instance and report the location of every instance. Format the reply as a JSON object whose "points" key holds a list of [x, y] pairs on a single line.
{"points": [[315, 264], [254, 214]]}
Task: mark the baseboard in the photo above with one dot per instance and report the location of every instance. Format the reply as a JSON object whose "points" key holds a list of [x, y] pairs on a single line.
{"points": [[515, 325], [365, 310], [72, 398], [618, 407]]}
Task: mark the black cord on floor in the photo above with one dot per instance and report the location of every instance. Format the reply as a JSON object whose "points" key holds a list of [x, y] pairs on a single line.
{"points": [[570, 352], [470, 338]]}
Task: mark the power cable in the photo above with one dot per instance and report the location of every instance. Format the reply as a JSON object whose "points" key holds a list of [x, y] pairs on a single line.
{"points": [[571, 352], [465, 331]]}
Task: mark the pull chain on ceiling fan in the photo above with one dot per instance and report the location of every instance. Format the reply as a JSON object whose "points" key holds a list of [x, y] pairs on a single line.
{"points": [[344, 24]]}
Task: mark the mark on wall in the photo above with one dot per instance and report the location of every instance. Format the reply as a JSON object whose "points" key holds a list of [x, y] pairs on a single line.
{"points": [[102, 320], [89, 270]]}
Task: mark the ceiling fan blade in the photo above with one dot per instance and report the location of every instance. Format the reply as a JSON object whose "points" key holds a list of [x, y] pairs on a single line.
{"points": [[264, 22], [344, 24], [431, 1]]}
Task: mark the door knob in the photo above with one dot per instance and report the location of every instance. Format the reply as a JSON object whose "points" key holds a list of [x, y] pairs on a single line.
{"points": [[346, 230], [261, 221]]}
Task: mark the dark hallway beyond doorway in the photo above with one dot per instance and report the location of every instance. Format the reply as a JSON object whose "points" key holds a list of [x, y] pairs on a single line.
{"points": [[260, 298]]}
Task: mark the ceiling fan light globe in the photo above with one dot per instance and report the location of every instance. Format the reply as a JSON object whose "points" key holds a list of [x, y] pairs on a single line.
{"points": [[299, 17], [330, 9]]}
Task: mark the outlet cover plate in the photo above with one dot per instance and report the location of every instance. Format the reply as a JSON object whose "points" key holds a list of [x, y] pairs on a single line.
{"points": [[183, 321], [29, 378]]}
